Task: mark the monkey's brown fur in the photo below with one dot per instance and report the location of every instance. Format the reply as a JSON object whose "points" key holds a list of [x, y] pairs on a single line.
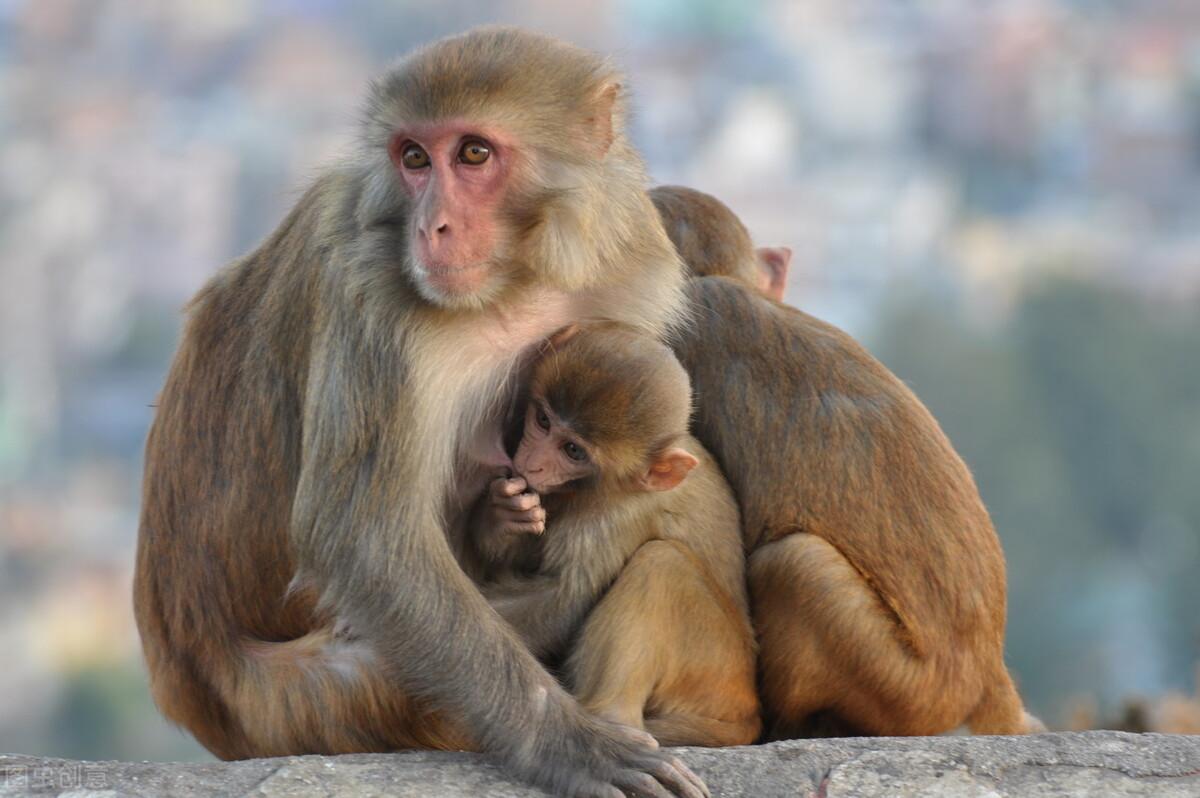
{"points": [[668, 647], [295, 590], [877, 581], [709, 237]]}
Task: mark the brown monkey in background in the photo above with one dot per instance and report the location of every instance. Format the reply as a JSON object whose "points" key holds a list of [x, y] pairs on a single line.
{"points": [[713, 242], [337, 396], [640, 569], [877, 582]]}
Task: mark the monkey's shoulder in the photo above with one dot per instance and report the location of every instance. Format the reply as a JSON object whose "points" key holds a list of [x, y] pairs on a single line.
{"points": [[772, 342], [703, 505], [280, 268]]}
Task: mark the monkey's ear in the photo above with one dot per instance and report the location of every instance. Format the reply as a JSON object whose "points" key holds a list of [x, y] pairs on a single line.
{"points": [[562, 335], [557, 339], [775, 262], [600, 120], [669, 469]]}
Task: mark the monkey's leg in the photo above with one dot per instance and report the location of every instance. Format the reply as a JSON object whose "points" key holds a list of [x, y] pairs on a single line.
{"points": [[829, 644], [667, 651], [1002, 712], [323, 695]]}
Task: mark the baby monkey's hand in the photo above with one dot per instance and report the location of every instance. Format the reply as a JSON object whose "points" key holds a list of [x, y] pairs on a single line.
{"points": [[513, 510]]}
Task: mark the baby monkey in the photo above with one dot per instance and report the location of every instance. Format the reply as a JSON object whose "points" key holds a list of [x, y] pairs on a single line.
{"points": [[616, 549], [713, 242]]}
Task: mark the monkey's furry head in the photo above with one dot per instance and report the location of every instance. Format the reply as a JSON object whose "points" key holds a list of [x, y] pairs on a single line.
{"points": [[576, 208], [622, 391], [535, 86]]}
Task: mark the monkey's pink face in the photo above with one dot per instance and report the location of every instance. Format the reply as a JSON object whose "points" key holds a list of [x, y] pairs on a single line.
{"points": [[550, 454], [455, 176]]}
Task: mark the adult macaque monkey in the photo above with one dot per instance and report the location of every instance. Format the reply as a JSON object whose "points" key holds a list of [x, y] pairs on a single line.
{"points": [[333, 385], [713, 242], [876, 579], [640, 571]]}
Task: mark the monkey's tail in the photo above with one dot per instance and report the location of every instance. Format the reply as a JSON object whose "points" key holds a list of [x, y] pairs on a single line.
{"points": [[1000, 711]]}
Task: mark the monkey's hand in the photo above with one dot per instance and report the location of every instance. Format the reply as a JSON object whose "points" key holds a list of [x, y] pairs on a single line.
{"points": [[579, 754], [512, 509]]}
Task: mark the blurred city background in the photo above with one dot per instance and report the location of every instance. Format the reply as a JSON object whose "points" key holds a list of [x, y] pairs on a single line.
{"points": [[1001, 199]]}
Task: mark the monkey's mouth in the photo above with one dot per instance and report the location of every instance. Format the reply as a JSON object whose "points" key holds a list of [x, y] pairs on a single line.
{"points": [[532, 483], [436, 267], [455, 279]]}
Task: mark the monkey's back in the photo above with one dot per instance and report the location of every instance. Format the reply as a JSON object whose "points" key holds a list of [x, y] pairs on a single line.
{"points": [[222, 461], [594, 535], [702, 513], [816, 436]]}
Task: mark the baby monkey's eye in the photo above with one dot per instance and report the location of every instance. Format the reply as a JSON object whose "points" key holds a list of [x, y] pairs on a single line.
{"points": [[414, 157], [543, 420], [574, 451], [474, 152]]}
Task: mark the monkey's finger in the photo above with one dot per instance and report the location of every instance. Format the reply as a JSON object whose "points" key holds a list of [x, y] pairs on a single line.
{"points": [[680, 778], [522, 502], [688, 773], [525, 528], [532, 516], [598, 789], [536, 515], [639, 783], [504, 488]]}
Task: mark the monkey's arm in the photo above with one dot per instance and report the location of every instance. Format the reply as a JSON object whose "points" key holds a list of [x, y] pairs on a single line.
{"points": [[545, 610], [366, 522], [580, 558]]}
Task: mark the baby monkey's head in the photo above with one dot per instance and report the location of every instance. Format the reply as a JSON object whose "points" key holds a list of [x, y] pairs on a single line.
{"points": [[608, 407], [712, 241]]}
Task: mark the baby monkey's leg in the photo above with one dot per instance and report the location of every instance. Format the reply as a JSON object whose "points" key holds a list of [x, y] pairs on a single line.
{"points": [[667, 651]]}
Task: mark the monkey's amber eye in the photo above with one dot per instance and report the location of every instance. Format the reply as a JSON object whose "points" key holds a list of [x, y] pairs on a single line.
{"points": [[414, 157], [543, 420], [474, 152], [574, 451]]}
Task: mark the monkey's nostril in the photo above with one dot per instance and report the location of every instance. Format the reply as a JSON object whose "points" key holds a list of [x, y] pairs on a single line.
{"points": [[429, 232]]}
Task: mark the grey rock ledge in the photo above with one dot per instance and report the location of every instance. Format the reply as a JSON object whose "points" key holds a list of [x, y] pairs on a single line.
{"points": [[1076, 764]]}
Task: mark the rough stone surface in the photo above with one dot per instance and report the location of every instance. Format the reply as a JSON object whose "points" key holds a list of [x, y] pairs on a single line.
{"points": [[1041, 766]]}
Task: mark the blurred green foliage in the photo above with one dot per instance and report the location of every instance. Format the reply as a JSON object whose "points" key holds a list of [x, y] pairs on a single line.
{"points": [[105, 712], [1080, 418]]}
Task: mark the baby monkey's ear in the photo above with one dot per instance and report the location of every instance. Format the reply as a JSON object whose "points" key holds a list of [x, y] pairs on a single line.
{"points": [[562, 335], [774, 263], [669, 469]]}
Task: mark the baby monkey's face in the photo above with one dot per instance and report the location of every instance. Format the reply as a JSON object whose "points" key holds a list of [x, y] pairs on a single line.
{"points": [[551, 454], [606, 408]]}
